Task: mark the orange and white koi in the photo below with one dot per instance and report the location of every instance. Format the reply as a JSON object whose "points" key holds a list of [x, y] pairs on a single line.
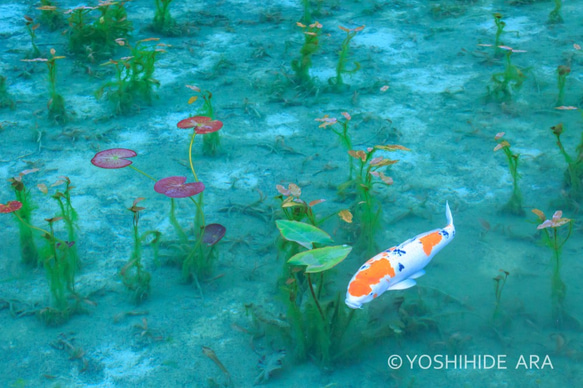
{"points": [[399, 266]]}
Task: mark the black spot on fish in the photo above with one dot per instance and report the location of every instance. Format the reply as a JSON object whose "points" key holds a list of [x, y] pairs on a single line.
{"points": [[399, 252], [444, 233], [401, 267]]}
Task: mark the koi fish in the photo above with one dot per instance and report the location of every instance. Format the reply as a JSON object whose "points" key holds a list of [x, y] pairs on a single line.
{"points": [[399, 266]]}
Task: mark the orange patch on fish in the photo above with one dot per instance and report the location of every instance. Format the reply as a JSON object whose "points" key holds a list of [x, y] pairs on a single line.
{"points": [[365, 278], [430, 241]]}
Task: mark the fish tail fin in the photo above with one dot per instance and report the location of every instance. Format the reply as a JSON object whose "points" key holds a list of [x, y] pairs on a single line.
{"points": [[448, 214]]}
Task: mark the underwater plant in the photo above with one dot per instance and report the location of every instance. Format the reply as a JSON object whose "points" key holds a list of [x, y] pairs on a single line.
{"points": [[294, 208], [134, 276], [56, 104], [212, 142], [514, 205], [343, 135], [337, 82], [58, 267], [367, 210], [28, 249], [163, 22], [301, 66], [67, 213], [498, 317], [134, 78], [51, 17], [94, 37], [562, 73], [555, 240], [508, 81], [555, 15], [6, 100], [316, 325], [500, 25], [573, 178], [31, 27]]}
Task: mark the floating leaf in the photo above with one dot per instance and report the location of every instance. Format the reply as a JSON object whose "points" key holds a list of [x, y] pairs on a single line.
{"points": [[113, 158], [213, 233], [201, 124], [391, 147], [304, 234], [174, 187], [10, 207], [321, 259]]}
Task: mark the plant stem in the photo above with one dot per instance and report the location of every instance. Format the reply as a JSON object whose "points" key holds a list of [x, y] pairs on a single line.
{"points": [[315, 298]]}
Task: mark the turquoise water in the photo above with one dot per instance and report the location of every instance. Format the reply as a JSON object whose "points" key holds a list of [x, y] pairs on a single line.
{"points": [[437, 60]]}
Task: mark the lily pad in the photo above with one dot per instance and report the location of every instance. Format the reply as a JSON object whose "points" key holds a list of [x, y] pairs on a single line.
{"points": [[201, 124], [113, 158], [10, 207], [213, 233], [304, 234], [321, 259], [174, 187]]}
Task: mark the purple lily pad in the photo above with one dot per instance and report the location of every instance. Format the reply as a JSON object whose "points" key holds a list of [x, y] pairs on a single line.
{"points": [[201, 124], [174, 187], [113, 158], [10, 207], [213, 233]]}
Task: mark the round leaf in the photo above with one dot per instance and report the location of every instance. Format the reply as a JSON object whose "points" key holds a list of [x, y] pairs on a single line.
{"points": [[304, 234], [321, 259], [213, 233], [113, 158], [174, 187]]}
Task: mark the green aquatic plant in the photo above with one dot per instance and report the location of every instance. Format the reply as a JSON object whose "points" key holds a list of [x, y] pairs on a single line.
{"points": [[553, 238], [301, 66], [59, 269], [50, 16], [6, 100], [367, 209], [498, 317], [500, 25], [134, 276], [504, 84], [294, 208], [56, 104], [562, 73], [163, 22], [316, 325], [31, 27], [67, 213], [28, 248], [343, 136], [555, 16], [134, 79], [514, 205], [94, 37], [573, 178], [211, 143], [337, 82]]}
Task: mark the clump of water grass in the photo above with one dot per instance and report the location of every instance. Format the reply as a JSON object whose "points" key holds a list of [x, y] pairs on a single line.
{"points": [[505, 84], [31, 28], [514, 205], [555, 16], [51, 17], [555, 237], [573, 177], [343, 136], [499, 318], [337, 82], [56, 103], [6, 100], [163, 22], [302, 65], [562, 73]]}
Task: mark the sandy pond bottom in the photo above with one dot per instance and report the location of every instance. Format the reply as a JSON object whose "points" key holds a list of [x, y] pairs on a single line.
{"points": [[432, 56]]}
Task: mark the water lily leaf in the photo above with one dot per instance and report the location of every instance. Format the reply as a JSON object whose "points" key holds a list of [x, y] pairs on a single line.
{"points": [[321, 259], [304, 234]]}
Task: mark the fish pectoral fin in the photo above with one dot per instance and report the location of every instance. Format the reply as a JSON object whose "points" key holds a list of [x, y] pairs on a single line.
{"points": [[417, 274], [407, 283]]}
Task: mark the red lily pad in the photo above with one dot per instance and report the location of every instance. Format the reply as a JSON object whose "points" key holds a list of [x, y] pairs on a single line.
{"points": [[11, 206], [174, 187], [213, 233], [201, 124], [113, 158]]}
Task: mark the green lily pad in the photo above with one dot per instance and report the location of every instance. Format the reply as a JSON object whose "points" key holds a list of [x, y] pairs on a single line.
{"points": [[321, 259], [304, 234]]}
